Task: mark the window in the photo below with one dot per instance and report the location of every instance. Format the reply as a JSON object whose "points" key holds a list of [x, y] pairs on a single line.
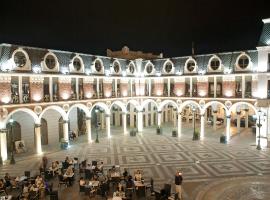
{"points": [[116, 67], [168, 67], [243, 62], [77, 64], [131, 68], [149, 69], [98, 66], [214, 64], [191, 65], [19, 59], [50, 62]]}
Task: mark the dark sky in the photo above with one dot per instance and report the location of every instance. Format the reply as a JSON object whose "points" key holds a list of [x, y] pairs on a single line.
{"points": [[167, 26]]}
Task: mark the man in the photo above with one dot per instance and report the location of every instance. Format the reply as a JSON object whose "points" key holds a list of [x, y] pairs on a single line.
{"points": [[178, 183]]}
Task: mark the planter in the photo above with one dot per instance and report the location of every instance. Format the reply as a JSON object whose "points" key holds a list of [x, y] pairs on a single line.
{"points": [[64, 144], [196, 135], [159, 131], [132, 132], [223, 139], [174, 133]]}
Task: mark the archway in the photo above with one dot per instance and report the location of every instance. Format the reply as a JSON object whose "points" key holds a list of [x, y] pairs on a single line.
{"points": [[132, 110], [150, 108]]}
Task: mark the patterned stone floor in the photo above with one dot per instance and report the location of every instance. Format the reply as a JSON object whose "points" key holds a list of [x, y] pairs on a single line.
{"points": [[205, 164]]}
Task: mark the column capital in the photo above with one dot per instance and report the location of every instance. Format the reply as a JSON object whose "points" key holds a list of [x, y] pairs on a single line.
{"points": [[37, 125], [65, 121], [3, 130], [87, 118], [228, 116], [107, 115]]}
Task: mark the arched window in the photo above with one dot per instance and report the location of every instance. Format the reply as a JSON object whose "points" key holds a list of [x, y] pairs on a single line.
{"points": [[19, 59], [191, 65], [149, 69], [50, 62], [214, 63], [243, 62], [168, 67], [116, 67], [131, 68], [77, 65], [98, 66]]}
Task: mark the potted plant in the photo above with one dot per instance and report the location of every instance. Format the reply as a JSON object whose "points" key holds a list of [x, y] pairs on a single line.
{"points": [[64, 144], [196, 135], [132, 132], [159, 131], [223, 139], [174, 133]]}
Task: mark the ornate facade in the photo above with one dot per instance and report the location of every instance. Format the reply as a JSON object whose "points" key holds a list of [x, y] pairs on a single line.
{"points": [[134, 93]]}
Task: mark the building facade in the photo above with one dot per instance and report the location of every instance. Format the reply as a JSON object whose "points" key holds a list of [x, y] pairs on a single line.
{"points": [[46, 93]]}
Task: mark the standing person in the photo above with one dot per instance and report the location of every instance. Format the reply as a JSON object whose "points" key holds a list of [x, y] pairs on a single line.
{"points": [[178, 183], [44, 162]]}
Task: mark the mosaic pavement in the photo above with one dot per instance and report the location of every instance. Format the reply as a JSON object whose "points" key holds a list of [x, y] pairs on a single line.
{"points": [[205, 164]]}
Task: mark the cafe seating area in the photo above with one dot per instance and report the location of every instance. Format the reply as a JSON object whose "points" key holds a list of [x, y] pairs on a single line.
{"points": [[91, 180]]}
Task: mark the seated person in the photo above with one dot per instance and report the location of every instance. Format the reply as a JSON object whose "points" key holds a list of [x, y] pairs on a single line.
{"points": [[39, 181], [20, 147], [138, 176], [34, 188], [116, 196], [25, 191], [82, 182], [100, 168], [7, 179], [69, 171]]}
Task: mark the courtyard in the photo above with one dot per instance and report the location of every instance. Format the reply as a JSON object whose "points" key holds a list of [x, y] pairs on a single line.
{"points": [[207, 165]]}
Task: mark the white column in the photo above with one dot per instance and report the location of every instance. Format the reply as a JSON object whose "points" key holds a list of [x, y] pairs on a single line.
{"points": [[124, 123], [3, 142], [98, 87], [88, 129], [215, 86], [228, 127], [238, 121], [202, 127], [159, 118], [38, 138], [65, 130], [246, 118], [214, 120], [108, 125], [174, 117], [140, 121], [131, 90], [243, 86], [20, 90], [51, 88], [77, 88], [149, 86], [115, 87], [179, 124], [169, 87], [190, 86]]}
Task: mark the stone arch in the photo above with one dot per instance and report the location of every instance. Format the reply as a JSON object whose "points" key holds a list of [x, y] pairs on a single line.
{"points": [[56, 108], [81, 106], [185, 103], [26, 110], [120, 104], [243, 103], [145, 102], [135, 103], [165, 102], [211, 103], [102, 105]]}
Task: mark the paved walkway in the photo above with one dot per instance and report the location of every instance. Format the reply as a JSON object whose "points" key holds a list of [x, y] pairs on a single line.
{"points": [[203, 162]]}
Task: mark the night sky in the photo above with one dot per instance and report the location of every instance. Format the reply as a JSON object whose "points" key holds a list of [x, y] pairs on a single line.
{"points": [[151, 26]]}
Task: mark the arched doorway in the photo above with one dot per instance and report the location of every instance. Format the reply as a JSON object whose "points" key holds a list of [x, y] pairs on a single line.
{"points": [[14, 134]]}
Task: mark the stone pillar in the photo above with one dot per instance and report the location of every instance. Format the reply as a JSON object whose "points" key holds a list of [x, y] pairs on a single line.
{"points": [[88, 129], [243, 86], [3, 143], [214, 120], [174, 117], [238, 121], [124, 123], [179, 124], [97, 87], [38, 138], [159, 118], [246, 118], [20, 89], [149, 87], [202, 127], [51, 88], [169, 87], [65, 130], [108, 125], [140, 121], [228, 127]]}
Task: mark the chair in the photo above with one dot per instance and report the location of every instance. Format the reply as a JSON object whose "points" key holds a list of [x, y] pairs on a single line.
{"points": [[61, 181]]}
